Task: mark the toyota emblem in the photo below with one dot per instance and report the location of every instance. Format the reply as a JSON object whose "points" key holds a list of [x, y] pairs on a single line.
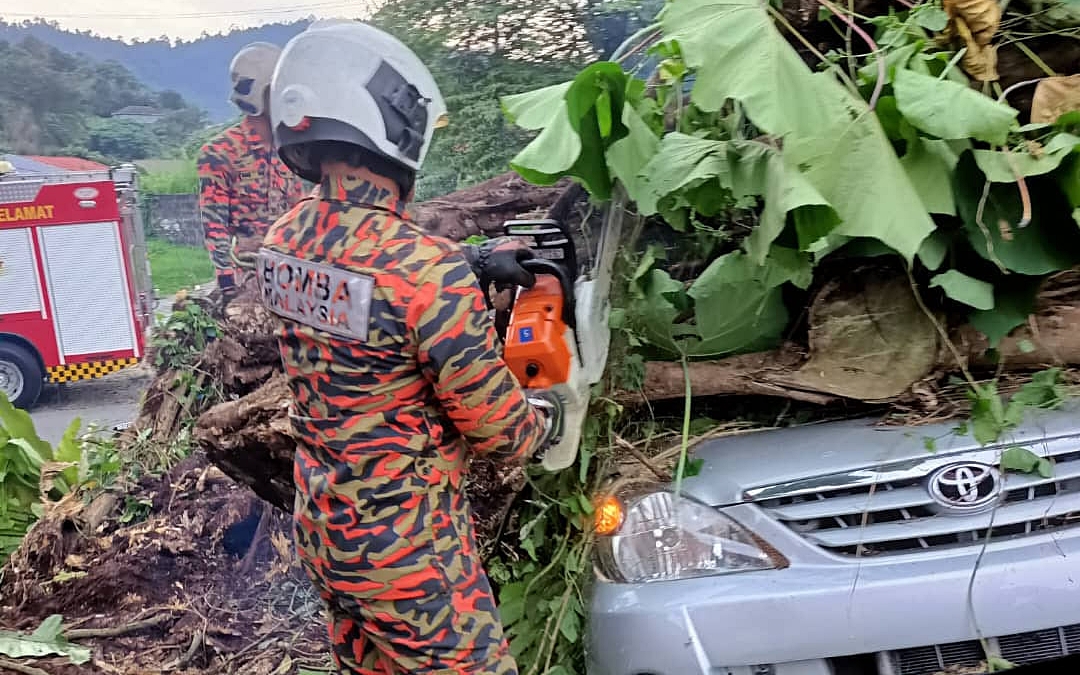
{"points": [[969, 486]]}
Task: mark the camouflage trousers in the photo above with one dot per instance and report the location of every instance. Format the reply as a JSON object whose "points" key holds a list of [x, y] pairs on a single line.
{"points": [[403, 586]]}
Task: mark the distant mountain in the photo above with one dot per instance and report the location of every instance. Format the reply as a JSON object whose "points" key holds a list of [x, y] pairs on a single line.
{"points": [[197, 70]]}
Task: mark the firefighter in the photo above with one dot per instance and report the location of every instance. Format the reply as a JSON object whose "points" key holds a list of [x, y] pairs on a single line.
{"points": [[243, 185], [392, 363]]}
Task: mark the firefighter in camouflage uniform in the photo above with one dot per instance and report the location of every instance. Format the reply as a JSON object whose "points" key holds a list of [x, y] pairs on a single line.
{"points": [[243, 184], [392, 362]]}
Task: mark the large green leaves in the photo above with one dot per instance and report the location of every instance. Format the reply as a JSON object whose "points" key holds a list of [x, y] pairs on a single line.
{"points": [[857, 171], [628, 156], [536, 109], [736, 53], [681, 163], [734, 306], [829, 135], [1003, 167], [929, 165], [580, 121], [1013, 303], [18, 424], [950, 110], [684, 163], [963, 288], [992, 214], [23, 457]]}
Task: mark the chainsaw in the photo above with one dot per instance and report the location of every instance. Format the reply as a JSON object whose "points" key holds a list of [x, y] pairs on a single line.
{"points": [[558, 337]]}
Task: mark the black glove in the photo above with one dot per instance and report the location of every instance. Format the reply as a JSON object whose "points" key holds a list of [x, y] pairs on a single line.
{"points": [[550, 407], [498, 261]]}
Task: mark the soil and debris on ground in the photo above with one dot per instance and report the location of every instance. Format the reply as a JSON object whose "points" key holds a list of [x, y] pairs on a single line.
{"points": [[187, 573]]}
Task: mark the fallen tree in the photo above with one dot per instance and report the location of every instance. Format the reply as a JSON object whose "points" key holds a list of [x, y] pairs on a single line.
{"points": [[866, 235], [818, 250]]}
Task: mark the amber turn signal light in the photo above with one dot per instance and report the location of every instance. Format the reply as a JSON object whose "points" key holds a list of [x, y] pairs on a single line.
{"points": [[608, 515]]}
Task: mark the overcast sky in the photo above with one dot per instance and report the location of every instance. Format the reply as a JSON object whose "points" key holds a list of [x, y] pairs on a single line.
{"points": [[175, 18]]}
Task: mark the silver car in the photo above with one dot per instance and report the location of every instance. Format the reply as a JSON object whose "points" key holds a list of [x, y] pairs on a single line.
{"points": [[847, 548]]}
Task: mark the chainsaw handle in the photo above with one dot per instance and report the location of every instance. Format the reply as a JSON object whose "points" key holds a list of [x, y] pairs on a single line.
{"points": [[544, 266]]}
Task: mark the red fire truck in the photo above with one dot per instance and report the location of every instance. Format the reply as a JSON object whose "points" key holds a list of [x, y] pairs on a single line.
{"points": [[75, 294]]}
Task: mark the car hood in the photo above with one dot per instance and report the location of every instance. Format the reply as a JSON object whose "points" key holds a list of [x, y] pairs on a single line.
{"points": [[736, 464]]}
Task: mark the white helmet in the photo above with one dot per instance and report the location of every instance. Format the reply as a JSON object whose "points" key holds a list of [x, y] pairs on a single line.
{"points": [[251, 71], [349, 82]]}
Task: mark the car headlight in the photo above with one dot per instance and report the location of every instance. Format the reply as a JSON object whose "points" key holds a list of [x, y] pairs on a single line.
{"points": [[659, 537]]}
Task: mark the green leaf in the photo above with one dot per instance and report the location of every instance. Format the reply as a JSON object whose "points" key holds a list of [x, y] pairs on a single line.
{"points": [[1013, 303], [996, 663], [572, 142], [745, 307], [746, 168], [586, 505], [829, 135], [736, 53], [18, 424], [759, 169], [949, 110], [987, 414], [934, 249], [603, 113], [570, 626], [861, 247], [1069, 181], [628, 157], [45, 641], [965, 289], [932, 18], [929, 165], [999, 165], [693, 467], [680, 163], [70, 450], [1048, 244], [856, 169], [537, 109], [512, 603], [896, 59], [1023, 460], [892, 122], [654, 315], [551, 154], [1044, 391]]}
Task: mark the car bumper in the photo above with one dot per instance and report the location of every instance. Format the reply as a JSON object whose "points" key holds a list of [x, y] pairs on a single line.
{"points": [[791, 621]]}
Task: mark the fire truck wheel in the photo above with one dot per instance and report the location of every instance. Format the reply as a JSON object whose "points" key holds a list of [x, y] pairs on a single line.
{"points": [[21, 378]]}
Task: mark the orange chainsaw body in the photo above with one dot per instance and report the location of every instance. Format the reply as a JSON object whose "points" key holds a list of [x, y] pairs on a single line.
{"points": [[536, 347]]}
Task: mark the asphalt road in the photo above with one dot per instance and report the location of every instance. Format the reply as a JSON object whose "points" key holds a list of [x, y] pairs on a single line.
{"points": [[110, 400]]}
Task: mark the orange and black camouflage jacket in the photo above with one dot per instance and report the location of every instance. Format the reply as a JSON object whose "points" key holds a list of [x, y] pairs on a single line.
{"points": [[410, 368], [243, 188]]}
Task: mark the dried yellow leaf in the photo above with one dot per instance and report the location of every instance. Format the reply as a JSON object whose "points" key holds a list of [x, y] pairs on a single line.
{"points": [[982, 18], [1054, 97], [981, 62], [975, 22]]}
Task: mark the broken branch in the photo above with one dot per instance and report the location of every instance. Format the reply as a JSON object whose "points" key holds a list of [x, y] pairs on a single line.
{"points": [[116, 631]]}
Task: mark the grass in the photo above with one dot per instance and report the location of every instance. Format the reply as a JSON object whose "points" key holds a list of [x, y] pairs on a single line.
{"points": [[174, 266]]}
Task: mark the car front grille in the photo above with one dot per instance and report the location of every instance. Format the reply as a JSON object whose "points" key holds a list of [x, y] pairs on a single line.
{"points": [[969, 657], [889, 510]]}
